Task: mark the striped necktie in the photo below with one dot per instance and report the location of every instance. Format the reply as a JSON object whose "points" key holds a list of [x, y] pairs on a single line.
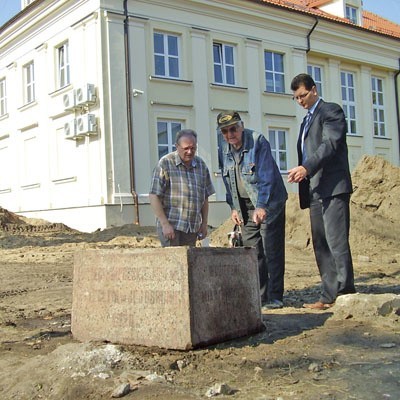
{"points": [[306, 125]]}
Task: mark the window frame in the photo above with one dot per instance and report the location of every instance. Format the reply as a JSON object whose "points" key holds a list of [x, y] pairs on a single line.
{"points": [[277, 151], [224, 65], [378, 110], [29, 82], [312, 70], [274, 73], [63, 65], [165, 148], [167, 55], [349, 105], [351, 13], [3, 97]]}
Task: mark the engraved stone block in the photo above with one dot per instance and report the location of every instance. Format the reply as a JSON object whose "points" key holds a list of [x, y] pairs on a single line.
{"points": [[176, 297]]}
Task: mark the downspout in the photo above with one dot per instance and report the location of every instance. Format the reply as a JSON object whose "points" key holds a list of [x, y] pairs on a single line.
{"points": [[309, 35], [129, 113], [396, 91]]}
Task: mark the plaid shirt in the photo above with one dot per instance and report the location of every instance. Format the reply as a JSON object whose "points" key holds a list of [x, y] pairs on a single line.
{"points": [[182, 190]]}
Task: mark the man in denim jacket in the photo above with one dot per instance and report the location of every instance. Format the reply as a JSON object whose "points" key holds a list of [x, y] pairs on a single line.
{"points": [[257, 196]]}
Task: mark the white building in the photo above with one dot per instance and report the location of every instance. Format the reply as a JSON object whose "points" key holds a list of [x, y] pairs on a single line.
{"points": [[92, 92]]}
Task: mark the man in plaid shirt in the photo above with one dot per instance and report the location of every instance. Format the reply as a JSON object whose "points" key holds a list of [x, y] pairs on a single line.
{"points": [[179, 192]]}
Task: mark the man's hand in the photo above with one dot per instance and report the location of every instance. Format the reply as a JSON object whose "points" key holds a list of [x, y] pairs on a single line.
{"points": [[297, 174], [202, 233], [259, 216], [168, 231], [236, 218]]}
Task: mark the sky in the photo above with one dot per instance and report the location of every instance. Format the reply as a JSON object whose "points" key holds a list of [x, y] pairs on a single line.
{"points": [[389, 9]]}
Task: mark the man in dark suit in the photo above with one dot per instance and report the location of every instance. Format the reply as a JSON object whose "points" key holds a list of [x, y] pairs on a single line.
{"points": [[325, 186]]}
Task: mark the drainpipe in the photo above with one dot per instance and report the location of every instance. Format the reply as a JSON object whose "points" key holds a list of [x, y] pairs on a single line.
{"points": [[309, 35], [396, 91], [129, 113]]}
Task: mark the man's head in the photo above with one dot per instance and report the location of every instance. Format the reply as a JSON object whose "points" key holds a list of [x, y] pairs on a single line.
{"points": [[231, 126], [186, 145], [304, 90]]}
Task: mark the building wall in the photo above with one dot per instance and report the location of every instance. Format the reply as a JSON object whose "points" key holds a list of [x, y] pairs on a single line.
{"points": [[85, 183]]}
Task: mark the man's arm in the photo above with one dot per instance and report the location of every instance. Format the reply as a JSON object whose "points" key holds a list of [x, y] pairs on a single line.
{"points": [[156, 205], [202, 233]]}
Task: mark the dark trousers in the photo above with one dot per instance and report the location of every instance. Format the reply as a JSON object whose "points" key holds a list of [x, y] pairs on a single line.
{"points": [[269, 240], [330, 224], [181, 238]]}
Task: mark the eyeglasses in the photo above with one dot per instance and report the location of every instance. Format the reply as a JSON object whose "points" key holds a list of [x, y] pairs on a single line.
{"points": [[232, 129], [301, 96]]}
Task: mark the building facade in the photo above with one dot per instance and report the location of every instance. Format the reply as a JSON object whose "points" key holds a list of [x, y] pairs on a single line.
{"points": [[92, 93]]}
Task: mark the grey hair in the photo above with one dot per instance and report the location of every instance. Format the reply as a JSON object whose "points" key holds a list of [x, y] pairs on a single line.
{"points": [[186, 133]]}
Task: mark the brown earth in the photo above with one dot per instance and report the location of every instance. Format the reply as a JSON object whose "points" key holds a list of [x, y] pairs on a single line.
{"points": [[348, 352]]}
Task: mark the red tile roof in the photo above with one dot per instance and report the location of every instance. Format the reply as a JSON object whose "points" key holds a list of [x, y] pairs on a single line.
{"points": [[371, 21], [379, 24]]}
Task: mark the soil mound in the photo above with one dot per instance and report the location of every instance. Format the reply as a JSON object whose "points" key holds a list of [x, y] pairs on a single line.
{"points": [[376, 185], [7, 217]]}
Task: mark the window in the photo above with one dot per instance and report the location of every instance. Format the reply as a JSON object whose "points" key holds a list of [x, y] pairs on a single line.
{"points": [[3, 97], [348, 100], [378, 107], [351, 14], [29, 81], [63, 66], [224, 64], [166, 132], [30, 163], [274, 74], [277, 140], [5, 162], [316, 73], [166, 55]]}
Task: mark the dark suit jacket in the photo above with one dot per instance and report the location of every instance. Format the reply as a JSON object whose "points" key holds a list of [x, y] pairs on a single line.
{"points": [[327, 157]]}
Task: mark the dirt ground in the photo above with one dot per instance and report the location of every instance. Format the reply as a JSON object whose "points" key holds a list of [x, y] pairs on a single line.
{"points": [[348, 352]]}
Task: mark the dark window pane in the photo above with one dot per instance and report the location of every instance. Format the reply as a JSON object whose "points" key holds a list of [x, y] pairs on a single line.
{"points": [[217, 53], [229, 55], [230, 75], [282, 140], [173, 67], [218, 73], [272, 139], [173, 45], [280, 84], [159, 65], [268, 61], [158, 43], [162, 151], [278, 60]]}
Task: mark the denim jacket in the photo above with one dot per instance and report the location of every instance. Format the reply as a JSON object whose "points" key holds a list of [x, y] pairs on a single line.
{"points": [[259, 172]]}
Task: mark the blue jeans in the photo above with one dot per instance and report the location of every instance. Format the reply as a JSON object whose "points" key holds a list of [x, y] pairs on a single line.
{"points": [[269, 240]]}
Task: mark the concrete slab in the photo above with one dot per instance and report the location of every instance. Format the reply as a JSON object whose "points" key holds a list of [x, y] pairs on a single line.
{"points": [[177, 297]]}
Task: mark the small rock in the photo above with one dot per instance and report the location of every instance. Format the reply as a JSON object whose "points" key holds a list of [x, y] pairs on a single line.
{"points": [[181, 364], [103, 375], [363, 258], [219, 388], [388, 345], [121, 391], [155, 378], [314, 367]]}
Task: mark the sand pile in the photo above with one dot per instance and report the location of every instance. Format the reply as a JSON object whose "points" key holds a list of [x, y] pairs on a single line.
{"points": [[376, 185]]}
